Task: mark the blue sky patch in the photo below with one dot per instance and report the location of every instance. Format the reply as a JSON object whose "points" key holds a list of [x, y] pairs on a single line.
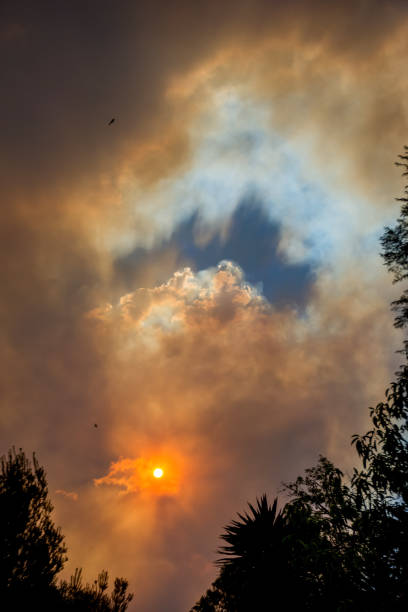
{"points": [[251, 242]]}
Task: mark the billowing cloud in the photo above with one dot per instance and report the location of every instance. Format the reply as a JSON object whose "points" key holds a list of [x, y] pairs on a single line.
{"points": [[229, 395]]}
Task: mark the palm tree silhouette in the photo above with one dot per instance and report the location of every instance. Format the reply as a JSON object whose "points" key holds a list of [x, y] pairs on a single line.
{"points": [[254, 572], [252, 539], [270, 559]]}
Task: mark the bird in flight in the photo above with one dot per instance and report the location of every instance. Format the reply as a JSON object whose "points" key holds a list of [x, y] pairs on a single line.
{"points": [[111, 121]]}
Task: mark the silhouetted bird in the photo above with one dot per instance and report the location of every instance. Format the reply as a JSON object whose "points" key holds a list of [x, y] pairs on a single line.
{"points": [[111, 121], [95, 425]]}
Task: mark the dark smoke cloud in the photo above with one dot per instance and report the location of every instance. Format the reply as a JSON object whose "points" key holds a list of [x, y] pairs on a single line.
{"points": [[333, 73]]}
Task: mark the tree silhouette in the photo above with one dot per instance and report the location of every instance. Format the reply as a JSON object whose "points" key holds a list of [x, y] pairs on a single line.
{"points": [[32, 549], [395, 249], [383, 480], [253, 550], [253, 545], [79, 597]]}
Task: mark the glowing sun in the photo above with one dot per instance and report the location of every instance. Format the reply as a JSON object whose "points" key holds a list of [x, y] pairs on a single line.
{"points": [[158, 473]]}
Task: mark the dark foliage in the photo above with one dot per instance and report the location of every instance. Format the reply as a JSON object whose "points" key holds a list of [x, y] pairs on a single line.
{"points": [[274, 558], [81, 598], [289, 559], [32, 549], [395, 249]]}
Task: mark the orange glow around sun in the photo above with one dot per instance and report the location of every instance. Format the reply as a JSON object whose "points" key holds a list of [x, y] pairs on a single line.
{"points": [[155, 472]]}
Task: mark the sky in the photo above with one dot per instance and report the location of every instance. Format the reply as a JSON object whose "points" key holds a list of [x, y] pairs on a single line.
{"points": [[201, 279]]}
